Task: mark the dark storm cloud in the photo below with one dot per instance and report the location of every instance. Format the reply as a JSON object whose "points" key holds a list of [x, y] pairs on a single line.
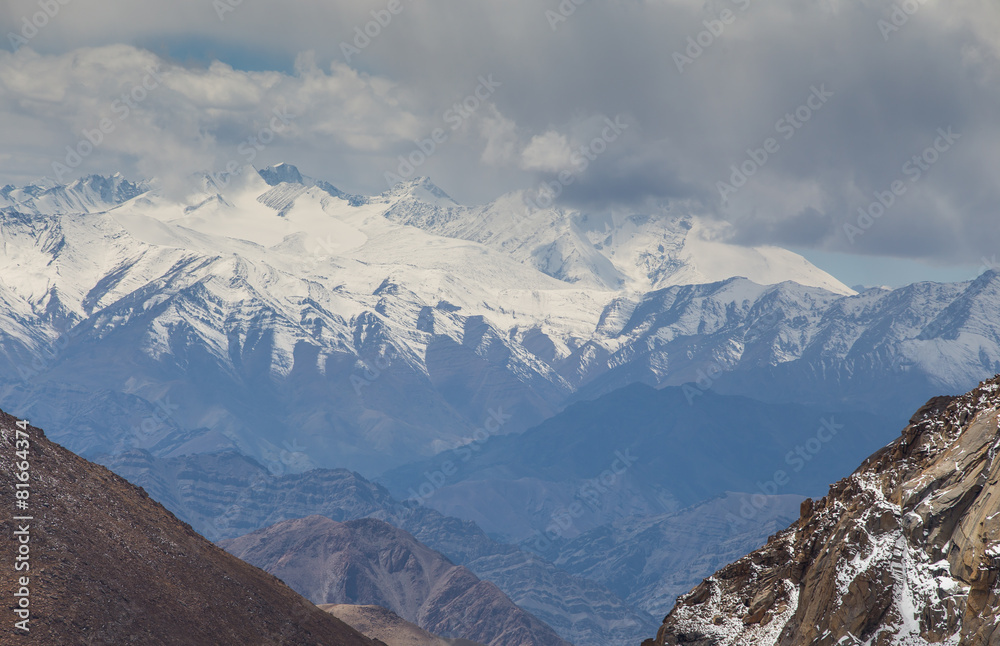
{"points": [[695, 101]]}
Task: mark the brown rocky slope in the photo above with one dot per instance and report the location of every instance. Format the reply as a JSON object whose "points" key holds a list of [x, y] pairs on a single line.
{"points": [[108, 565], [905, 551], [370, 562]]}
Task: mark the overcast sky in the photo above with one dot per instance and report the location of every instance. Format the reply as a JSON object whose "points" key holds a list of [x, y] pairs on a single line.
{"points": [[847, 99]]}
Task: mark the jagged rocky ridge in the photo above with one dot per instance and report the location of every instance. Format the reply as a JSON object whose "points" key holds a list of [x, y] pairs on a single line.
{"points": [[370, 562], [905, 551]]}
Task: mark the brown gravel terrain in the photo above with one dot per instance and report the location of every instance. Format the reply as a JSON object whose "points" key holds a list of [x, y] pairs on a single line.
{"points": [[108, 565]]}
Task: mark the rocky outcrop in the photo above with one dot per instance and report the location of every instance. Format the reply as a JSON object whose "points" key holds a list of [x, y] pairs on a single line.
{"points": [[906, 550], [369, 562], [107, 565]]}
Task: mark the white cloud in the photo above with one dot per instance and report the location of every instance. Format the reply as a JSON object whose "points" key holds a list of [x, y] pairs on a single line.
{"points": [[155, 118], [501, 136], [548, 153]]}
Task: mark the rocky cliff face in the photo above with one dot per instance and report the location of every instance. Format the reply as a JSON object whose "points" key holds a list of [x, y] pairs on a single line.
{"points": [[905, 551], [370, 562], [106, 565]]}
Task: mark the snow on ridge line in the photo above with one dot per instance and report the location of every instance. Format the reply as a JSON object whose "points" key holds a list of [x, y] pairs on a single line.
{"points": [[632, 254]]}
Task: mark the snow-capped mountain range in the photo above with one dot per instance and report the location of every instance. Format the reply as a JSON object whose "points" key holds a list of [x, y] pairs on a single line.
{"points": [[275, 314]]}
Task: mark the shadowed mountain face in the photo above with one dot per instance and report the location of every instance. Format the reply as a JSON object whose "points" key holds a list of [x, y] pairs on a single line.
{"points": [[369, 562], [650, 561], [639, 451], [226, 495], [904, 551], [107, 565]]}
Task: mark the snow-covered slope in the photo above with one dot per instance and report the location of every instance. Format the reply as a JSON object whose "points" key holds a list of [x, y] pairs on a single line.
{"points": [[883, 350], [631, 252], [220, 304], [269, 308], [86, 195]]}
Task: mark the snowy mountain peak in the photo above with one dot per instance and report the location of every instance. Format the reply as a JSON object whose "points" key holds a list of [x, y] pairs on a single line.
{"points": [[287, 174], [90, 194], [282, 172], [112, 190], [634, 252], [261, 280], [421, 189], [612, 251]]}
